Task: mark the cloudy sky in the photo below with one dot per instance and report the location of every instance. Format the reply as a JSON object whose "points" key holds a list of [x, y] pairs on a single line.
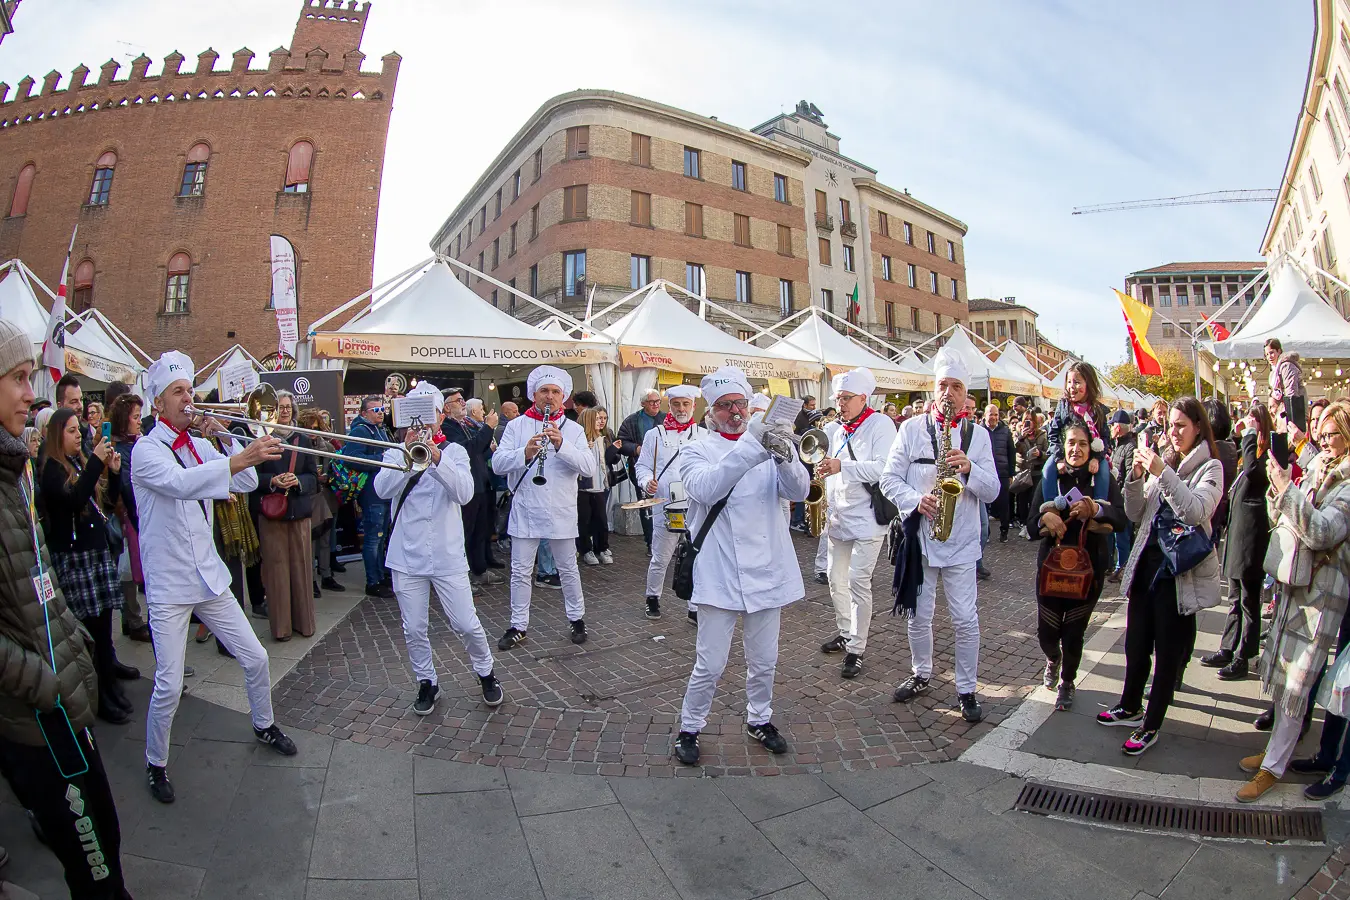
{"points": [[1003, 114]]}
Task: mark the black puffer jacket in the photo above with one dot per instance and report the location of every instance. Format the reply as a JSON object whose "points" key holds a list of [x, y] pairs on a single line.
{"points": [[28, 680]]}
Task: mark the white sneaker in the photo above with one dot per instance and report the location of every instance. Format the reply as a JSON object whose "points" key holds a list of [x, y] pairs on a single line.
{"points": [[590, 559], [606, 558], [1026, 535]]}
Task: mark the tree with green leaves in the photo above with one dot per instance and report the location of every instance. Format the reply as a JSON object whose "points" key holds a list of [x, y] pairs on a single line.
{"points": [[1177, 378]]}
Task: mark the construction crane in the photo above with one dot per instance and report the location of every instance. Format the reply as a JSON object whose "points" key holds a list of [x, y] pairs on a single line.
{"points": [[1248, 196]]}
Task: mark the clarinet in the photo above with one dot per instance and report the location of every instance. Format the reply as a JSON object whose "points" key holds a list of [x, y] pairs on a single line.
{"points": [[543, 449]]}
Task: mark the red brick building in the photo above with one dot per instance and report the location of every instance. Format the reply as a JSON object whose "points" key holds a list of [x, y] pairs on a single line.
{"points": [[178, 180]]}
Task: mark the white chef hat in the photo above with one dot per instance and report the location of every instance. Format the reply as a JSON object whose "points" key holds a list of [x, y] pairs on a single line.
{"points": [[426, 387], [172, 366], [854, 381], [726, 380], [549, 375], [758, 402], [949, 365], [682, 392]]}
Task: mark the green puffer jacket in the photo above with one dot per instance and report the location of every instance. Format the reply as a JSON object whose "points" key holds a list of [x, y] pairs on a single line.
{"points": [[27, 679]]}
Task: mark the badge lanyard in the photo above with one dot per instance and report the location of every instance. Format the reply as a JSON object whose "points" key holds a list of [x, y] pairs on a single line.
{"points": [[46, 592]]}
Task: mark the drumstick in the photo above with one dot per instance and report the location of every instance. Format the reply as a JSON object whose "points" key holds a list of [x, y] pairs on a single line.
{"points": [[656, 454]]}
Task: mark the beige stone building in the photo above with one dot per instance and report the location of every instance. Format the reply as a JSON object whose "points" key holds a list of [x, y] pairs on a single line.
{"points": [[608, 191], [1184, 295], [1312, 211]]}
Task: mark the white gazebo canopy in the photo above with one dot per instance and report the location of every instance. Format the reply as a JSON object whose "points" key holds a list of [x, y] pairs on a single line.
{"points": [[210, 374], [816, 341], [1296, 315], [1013, 360]]}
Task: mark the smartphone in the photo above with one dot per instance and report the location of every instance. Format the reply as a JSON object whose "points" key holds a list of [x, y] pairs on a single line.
{"points": [[61, 741], [107, 431], [1074, 495]]}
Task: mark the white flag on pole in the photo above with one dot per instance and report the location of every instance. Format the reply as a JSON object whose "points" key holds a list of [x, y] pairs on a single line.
{"points": [[284, 298]]}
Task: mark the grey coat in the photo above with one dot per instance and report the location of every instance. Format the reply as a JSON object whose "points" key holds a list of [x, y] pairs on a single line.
{"points": [[1193, 490]]}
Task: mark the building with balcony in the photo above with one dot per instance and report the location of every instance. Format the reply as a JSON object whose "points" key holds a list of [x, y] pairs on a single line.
{"points": [[606, 191], [1184, 295]]}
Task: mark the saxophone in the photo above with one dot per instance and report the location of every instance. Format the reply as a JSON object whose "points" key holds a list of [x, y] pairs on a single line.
{"points": [[948, 488], [812, 449]]}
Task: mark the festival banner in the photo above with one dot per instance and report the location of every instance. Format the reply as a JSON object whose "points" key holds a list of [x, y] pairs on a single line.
{"points": [[456, 351], [699, 363], [284, 298], [891, 380]]}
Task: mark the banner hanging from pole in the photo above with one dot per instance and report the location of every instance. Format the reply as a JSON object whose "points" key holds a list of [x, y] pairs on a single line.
{"points": [[284, 298]]}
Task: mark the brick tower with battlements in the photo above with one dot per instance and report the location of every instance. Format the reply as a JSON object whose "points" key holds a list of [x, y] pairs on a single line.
{"points": [[178, 180]]}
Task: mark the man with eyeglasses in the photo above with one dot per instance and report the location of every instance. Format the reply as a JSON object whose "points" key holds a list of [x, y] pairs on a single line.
{"points": [[859, 444], [742, 569], [374, 510]]}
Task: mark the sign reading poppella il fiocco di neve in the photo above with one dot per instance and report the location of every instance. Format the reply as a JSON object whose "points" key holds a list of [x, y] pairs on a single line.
{"points": [[467, 352]]}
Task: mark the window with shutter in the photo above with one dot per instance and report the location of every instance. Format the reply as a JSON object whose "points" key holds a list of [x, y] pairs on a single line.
{"points": [[534, 221], [884, 224], [84, 286], [578, 141], [23, 189], [693, 219], [785, 240], [642, 150], [640, 209], [574, 202], [298, 164], [742, 231], [538, 164], [825, 257]]}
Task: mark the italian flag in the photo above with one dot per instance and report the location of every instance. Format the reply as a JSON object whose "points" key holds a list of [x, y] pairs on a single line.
{"points": [[854, 308]]}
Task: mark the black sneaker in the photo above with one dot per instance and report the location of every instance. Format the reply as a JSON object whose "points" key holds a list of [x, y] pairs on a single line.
{"points": [[259, 610], [553, 582], [332, 584], [767, 735], [1234, 671], [1141, 740], [982, 573], [379, 591], [1323, 790], [512, 637], [1119, 715], [1216, 660], [161, 788], [1051, 677], [971, 710], [835, 644], [336, 565], [653, 607], [692, 616], [822, 578], [1312, 765], [272, 737], [493, 695], [686, 747], [910, 688], [852, 666], [1064, 699], [578, 631], [426, 697]]}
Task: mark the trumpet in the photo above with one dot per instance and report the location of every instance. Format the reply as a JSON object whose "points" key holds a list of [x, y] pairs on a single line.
{"points": [[259, 417], [539, 477]]}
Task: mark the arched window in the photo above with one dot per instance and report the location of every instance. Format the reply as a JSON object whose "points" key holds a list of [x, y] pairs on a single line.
{"points": [[103, 177], [23, 188], [178, 283], [84, 286], [297, 168], [194, 173]]}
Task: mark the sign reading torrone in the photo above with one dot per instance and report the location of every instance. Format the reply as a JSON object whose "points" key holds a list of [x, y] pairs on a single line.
{"points": [[457, 351]]}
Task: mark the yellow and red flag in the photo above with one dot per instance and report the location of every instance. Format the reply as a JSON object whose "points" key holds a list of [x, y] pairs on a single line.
{"points": [[1137, 318], [1217, 331]]}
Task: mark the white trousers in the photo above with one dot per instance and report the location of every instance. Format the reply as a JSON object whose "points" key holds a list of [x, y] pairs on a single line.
{"points": [[663, 550], [958, 582], [523, 552], [823, 553], [413, 592], [1282, 743], [851, 565], [715, 629], [227, 622]]}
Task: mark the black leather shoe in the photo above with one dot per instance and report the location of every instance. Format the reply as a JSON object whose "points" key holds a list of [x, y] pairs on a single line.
{"points": [[125, 672], [332, 584], [835, 644], [1216, 660], [161, 788], [822, 578], [140, 635], [110, 711], [686, 747], [337, 567], [1265, 721], [852, 667], [317, 593], [1234, 671]]}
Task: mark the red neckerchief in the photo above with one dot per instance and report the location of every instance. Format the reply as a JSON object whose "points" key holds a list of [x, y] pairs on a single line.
{"points": [[182, 439], [731, 437], [673, 424], [850, 427], [438, 438], [534, 413], [942, 420]]}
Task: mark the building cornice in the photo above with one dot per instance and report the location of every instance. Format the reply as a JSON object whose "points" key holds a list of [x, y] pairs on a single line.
{"points": [[572, 100], [1314, 86], [815, 148], [904, 199]]}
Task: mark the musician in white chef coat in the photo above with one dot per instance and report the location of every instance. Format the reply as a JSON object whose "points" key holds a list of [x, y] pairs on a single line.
{"points": [[426, 548], [176, 477], [548, 511], [658, 473], [860, 441], [745, 568], [908, 481]]}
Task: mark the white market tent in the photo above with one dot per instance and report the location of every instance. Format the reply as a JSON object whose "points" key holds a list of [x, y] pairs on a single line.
{"points": [[1294, 314], [818, 342], [986, 374], [1014, 360], [209, 376]]}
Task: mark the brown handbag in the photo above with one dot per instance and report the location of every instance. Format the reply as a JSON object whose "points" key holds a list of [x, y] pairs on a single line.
{"points": [[275, 506], [1067, 571]]}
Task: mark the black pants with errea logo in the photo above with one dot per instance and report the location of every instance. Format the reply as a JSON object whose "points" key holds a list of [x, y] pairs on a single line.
{"points": [[77, 815]]}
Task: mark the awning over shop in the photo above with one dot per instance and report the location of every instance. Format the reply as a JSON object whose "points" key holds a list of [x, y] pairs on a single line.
{"points": [[436, 320]]}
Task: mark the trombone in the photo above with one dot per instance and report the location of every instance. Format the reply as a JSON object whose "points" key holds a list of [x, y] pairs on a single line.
{"points": [[259, 416]]}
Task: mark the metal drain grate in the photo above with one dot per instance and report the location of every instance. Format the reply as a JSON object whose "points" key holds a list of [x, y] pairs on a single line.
{"points": [[1187, 818]]}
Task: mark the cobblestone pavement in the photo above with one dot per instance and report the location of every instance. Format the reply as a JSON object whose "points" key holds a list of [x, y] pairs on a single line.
{"points": [[610, 707]]}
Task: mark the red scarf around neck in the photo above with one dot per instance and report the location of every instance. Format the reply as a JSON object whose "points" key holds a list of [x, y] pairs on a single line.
{"points": [[942, 420], [850, 427], [731, 437], [181, 439], [672, 424], [534, 413]]}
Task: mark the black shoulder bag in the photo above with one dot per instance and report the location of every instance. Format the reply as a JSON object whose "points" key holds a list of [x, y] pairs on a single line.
{"points": [[686, 554]]}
